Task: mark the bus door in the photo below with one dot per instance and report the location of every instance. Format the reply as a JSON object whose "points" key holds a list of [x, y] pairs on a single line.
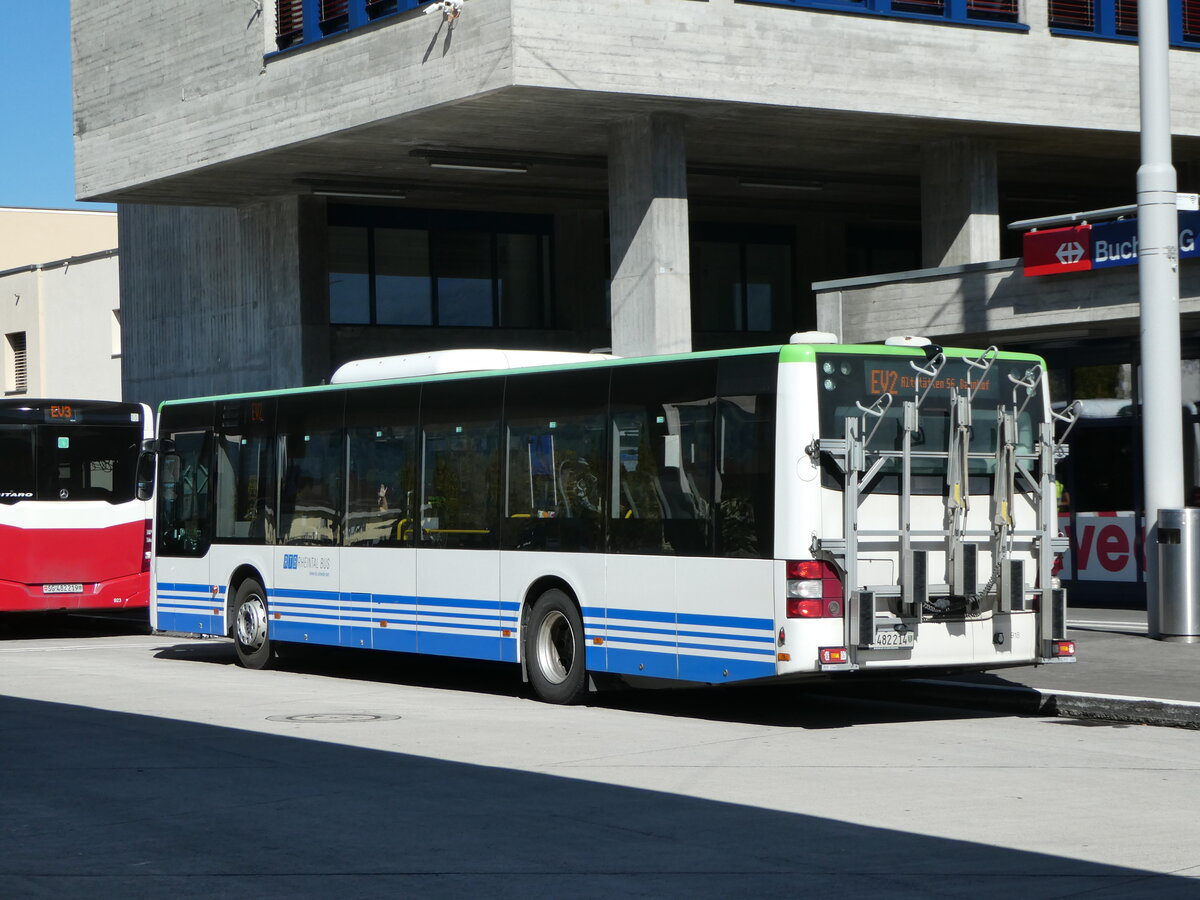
{"points": [[305, 599], [185, 597], [458, 528], [379, 566], [660, 509]]}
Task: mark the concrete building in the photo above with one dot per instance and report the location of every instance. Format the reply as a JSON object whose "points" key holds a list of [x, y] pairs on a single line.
{"points": [[60, 310], [303, 182]]}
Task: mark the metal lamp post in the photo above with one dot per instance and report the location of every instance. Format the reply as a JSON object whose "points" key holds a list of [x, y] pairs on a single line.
{"points": [[1158, 283]]}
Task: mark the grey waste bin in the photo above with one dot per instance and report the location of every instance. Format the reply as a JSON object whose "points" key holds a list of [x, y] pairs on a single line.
{"points": [[1179, 574]]}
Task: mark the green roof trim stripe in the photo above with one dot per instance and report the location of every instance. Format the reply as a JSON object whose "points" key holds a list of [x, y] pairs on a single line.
{"points": [[788, 353], [793, 353]]}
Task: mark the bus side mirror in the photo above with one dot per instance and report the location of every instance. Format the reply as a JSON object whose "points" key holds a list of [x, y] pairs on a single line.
{"points": [[145, 476]]}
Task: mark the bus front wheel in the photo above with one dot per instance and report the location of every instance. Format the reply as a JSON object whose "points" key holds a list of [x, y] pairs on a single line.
{"points": [[250, 631], [554, 649]]}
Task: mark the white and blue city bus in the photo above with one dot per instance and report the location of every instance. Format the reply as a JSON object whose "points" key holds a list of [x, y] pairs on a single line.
{"points": [[717, 517]]}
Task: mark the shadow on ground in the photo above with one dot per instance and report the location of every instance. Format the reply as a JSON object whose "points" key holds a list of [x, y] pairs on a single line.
{"points": [[111, 804]]}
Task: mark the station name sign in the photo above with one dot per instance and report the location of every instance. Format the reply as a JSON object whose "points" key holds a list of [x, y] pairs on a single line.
{"points": [[1105, 245]]}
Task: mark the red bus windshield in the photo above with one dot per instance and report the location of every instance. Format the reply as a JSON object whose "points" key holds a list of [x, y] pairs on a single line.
{"points": [[68, 462]]}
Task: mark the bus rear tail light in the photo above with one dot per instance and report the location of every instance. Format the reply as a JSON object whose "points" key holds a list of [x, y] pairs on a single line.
{"points": [[148, 546], [834, 656], [1062, 649], [814, 590]]}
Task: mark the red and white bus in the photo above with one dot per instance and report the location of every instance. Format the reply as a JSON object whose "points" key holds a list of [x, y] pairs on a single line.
{"points": [[74, 534]]}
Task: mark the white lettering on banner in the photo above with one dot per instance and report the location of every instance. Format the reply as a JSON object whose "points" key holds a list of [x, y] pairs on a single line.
{"points": [[1104, 251], [1114, 251], [1103, 546]]}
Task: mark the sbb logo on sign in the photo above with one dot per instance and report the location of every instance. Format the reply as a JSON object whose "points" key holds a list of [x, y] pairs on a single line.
{"points": [[1058, 250]]}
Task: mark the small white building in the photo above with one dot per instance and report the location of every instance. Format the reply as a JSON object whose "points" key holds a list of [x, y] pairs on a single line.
{"points": [[60, 311]]}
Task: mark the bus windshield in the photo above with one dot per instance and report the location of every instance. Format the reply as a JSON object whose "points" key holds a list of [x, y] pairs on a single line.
{"points": [[844, 381], [79, 462]]}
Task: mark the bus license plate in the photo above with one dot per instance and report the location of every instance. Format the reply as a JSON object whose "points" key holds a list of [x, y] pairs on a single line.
{"points": [[890, 639], [62, 588]]}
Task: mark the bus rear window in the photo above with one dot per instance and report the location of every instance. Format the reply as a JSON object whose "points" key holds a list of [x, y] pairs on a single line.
{"points": [[844, 382]]}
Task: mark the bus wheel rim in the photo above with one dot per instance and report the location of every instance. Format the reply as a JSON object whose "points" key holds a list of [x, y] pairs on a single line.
{"points": [[252, 622], [555, 647]]}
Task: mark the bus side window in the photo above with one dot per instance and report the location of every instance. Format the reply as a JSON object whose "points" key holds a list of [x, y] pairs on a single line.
{"points": [[745, 456], [460, 481], [554, 486], [662, 451], [383, 444], [184, 498], [311, 495], [245, 472], [745, 495]]}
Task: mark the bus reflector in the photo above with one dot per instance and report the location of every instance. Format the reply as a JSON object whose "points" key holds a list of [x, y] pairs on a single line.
{"points": [[784, 657], [813, 590], [1063, 648], [148, 547], [806, 568], [832, 656]]}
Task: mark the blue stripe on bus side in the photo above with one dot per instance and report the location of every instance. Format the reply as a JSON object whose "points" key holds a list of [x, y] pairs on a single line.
{"points": [[183, 586], [633, 629], [725, 648], [683, 618], [191, 623], [715, 669], [429, 630], [643, 662]]}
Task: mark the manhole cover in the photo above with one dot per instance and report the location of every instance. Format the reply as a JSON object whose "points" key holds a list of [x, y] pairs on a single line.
{"points": [[332, 718]]}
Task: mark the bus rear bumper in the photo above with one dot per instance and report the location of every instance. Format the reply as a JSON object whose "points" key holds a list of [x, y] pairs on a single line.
{"points": [[127, 592]]}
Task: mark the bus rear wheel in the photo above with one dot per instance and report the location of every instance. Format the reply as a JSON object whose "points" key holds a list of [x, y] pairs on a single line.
{"points": [[554, 649], [251, 635]]}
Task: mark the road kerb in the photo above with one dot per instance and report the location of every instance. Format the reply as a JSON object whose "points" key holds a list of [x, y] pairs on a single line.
{"points": [[1071, 704]]}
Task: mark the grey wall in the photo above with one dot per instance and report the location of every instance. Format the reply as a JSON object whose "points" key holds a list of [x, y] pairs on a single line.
{"points": [[217, 300], [180, 86], [993, 303]]}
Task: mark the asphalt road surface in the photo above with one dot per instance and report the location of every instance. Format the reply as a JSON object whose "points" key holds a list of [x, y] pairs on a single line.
{"points": [[143, 765]]}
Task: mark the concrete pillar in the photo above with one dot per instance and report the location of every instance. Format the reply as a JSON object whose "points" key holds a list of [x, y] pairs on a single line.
{"points": [[648, 236], [960, 209]]}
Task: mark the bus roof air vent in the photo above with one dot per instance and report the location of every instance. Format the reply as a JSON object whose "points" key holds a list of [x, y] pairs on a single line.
{"points": [[444, 362], [907, 340], [813, 337]]}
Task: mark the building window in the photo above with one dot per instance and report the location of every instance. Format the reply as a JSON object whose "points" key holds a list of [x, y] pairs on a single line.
{"points": [[741, 278], [16, 364], [1117, 19], [995, 13], [438, 269], [300, 22], [289, 23]]}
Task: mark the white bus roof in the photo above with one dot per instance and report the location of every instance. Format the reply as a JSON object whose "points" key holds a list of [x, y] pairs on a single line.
{"points": [[443, 362]]}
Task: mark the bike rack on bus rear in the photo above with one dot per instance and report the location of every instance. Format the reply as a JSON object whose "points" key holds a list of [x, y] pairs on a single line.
{"points": [[902, 607]]}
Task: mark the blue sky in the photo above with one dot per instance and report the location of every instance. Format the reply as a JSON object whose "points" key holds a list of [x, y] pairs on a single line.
{"points": [[37, 166]]}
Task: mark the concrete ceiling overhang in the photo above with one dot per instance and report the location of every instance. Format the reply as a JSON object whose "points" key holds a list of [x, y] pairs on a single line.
{"points": [[739, 155]]}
